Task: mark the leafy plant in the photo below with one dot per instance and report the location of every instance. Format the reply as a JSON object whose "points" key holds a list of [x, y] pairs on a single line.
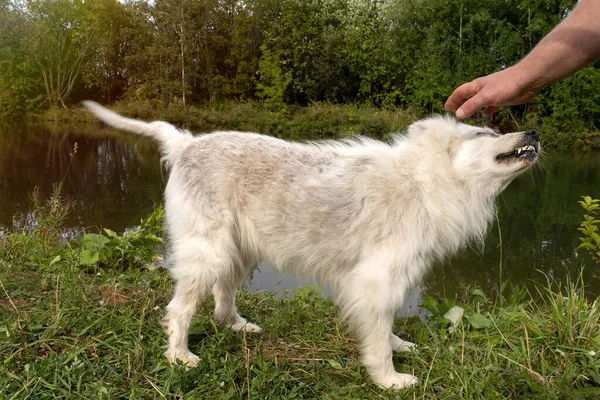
{"points": [[273, 82], [135, 248], [38, 236], [589, 228], [438, 313]]}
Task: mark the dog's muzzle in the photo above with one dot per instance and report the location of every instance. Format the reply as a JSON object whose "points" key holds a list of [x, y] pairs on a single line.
{"points": [[528, 150]]}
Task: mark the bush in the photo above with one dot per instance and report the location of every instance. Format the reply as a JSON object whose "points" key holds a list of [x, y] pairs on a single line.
{"points": [[589, 228], [133, 249]]}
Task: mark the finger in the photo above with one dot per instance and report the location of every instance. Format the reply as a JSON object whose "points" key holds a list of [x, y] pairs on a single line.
{"points": [[470, 106], [460, 95], [490, 110]]}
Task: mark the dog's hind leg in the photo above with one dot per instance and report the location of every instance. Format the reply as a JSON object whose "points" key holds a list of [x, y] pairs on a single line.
{"points": [[401, 345], [367, 301], [225, 310], [199, 263]]}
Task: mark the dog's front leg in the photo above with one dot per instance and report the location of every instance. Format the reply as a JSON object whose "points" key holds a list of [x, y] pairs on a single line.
{"points": [[377, 354], [368, 303]]}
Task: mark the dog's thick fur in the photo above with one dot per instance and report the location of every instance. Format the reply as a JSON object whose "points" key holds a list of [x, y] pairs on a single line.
{"points": [[364, 217]]}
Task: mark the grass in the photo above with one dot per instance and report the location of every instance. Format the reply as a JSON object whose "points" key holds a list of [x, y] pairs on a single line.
{"points": [[75, 328], [80, 318], [76, 334]]}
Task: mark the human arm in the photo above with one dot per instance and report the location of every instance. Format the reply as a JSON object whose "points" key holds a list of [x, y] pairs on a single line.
{"points": [[572, 45]]}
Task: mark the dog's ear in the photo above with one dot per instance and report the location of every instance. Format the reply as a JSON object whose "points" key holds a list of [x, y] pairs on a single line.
{"points": [[418, 128]]}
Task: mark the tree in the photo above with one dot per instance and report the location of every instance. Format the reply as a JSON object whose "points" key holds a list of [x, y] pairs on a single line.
{"points": [[105, 76], [60, 43], [17, 73]]}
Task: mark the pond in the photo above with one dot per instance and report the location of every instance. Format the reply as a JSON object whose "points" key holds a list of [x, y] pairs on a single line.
{"points": [[115, 180]]}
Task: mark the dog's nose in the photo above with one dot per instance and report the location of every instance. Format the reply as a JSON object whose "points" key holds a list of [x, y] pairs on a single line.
{"points": [[533, 133]]}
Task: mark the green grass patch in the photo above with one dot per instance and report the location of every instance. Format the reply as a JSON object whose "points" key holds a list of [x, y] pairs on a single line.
{"points": [[69, 330]]}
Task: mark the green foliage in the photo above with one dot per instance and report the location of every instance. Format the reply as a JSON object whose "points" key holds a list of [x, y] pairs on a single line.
{"points": [[17, 72], [591, 239], [317, 121], [407, 53], [105, 76], [59, 43], [445, 315], [273, 82], [544, 339], [42, 245], [134, 249]]}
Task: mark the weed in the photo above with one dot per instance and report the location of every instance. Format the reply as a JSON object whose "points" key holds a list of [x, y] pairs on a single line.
{"points": [[135, 248], [589, 228]]}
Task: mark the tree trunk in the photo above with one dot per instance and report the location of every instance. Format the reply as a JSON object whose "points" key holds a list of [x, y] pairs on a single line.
{"points": [[181, 37]]}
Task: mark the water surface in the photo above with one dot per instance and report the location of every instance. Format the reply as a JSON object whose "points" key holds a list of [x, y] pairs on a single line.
{"points": [[114, 180]]}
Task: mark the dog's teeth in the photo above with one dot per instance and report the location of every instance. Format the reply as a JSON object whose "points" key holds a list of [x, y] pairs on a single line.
{"points": [[523, 149]]}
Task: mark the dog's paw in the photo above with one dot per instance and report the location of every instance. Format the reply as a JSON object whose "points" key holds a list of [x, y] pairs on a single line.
{"points": [[397, 381], [188, 358], [399, 345], [248, 326]]}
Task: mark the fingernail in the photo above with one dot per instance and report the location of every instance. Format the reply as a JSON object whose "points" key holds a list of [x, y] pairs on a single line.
{"points": [[460, 114]]}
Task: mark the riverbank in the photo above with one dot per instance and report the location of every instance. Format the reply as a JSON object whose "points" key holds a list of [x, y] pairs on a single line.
{"points": [[314, 122], [317, 121], [81, 319]]}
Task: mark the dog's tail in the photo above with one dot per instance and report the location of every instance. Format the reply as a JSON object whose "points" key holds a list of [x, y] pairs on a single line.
{"points": [[171, 139]]}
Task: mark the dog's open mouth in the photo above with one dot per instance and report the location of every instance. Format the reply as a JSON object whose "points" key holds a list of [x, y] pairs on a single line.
{"points": [[528, 152]]}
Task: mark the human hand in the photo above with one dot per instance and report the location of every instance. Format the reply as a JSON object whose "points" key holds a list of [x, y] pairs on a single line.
{"points": [[508, 87]]}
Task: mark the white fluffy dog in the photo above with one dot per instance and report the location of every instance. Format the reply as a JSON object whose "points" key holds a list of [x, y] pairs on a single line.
{"points": [[364, 217]]}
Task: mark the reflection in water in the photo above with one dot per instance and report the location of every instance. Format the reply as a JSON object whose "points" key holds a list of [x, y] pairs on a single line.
{"points": [[115, 180]]}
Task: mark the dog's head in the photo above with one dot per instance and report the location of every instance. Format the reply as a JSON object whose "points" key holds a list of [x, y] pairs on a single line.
{"points": [[478, 156]]}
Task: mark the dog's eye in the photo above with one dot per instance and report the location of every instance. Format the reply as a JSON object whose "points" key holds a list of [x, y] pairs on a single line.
{"points": [[484, 133]]}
